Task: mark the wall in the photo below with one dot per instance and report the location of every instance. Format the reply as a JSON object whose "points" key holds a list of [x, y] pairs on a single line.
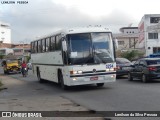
{"points": [[149, 43]]}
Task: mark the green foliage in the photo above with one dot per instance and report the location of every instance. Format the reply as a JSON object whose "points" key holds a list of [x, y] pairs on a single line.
{"points": [[131, 55], [2, 56], [28, 58]]}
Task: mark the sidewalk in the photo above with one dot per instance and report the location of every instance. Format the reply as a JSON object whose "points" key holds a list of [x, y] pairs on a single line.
{"points": [[20, 96]]}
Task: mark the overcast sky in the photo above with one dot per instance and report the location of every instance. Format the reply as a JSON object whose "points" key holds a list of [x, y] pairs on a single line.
{"points": [[40, 17]]}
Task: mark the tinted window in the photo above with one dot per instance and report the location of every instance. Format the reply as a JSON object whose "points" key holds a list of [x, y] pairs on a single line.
{"points": [[52, 44], [47, 44], [142, 63], [39, 46], [136, 63], [43, 45], [80, 42], [58, 42], [152, 62], [36, 47]]}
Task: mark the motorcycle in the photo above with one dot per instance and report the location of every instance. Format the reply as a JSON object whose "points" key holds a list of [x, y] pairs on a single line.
{"points": [[24, 72]]}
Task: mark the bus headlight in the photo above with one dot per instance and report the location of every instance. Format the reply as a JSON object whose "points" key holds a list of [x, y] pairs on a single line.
{"points": [[76, 72], [107, 70], [74, 79], [79, 72], [111, 69]]}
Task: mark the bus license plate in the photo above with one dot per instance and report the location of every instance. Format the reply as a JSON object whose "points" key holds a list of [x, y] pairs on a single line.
{"points": [[94, 78]]}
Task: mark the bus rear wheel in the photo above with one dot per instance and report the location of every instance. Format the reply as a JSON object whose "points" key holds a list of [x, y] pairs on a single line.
{"points": [[39, 77], [61, 81]]}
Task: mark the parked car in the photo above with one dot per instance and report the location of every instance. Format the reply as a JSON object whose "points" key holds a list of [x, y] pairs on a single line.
{"points": [[145, 69], [123, 66], [11, 66]]}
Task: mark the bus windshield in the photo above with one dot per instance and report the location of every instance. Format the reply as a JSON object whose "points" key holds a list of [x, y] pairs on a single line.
{"points": [[90, 48]]}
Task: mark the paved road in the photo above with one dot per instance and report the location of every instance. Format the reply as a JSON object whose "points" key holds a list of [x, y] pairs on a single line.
{"points": [[122, 95]]}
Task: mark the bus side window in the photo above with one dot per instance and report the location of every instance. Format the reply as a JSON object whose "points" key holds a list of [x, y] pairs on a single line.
{"points": [[58, 42], [43, 45], [47, 44], [52, 43], [32, 47], [39, 46], [35, 47]]}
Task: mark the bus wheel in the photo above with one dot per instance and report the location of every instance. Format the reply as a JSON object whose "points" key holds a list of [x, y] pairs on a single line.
{"points": [[39, 77], [61, 81], [100, 84]]}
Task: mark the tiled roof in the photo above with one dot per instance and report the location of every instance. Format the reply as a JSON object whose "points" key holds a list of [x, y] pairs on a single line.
{"points": [[7, 45]]}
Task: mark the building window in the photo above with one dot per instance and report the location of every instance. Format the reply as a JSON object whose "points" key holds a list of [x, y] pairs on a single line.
{"points": [[154, 19], [120, 42], [152, 35], [17, 50], [156, 49]]}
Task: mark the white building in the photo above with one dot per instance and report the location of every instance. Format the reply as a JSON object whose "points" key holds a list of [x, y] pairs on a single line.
{"points": [[5, 33], [6, 51], [127, 39], [149, 36]]}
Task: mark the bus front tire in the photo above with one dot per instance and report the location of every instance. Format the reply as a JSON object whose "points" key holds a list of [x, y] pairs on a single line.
{"points": [[100, 84], [61, 81]]}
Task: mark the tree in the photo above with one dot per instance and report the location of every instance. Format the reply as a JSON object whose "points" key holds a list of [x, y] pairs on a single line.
{"points": [[131, 55], [2, 56], [28, 58]]}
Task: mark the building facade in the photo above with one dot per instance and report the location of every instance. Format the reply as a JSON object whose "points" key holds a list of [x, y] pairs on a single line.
{"points": [[149, 33], [15, 49], [5, 33], [127, 38]]}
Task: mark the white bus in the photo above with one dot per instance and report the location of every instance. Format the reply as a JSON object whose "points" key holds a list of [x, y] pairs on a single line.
{"points": [[75, 57]]}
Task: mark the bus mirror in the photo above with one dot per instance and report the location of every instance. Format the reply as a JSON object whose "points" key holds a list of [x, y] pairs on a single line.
{"points": [[64, 45], [62, 35], [115, 41]]}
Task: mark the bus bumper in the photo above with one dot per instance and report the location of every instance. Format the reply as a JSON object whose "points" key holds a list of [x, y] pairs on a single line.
{"points": [[74, 80]]}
